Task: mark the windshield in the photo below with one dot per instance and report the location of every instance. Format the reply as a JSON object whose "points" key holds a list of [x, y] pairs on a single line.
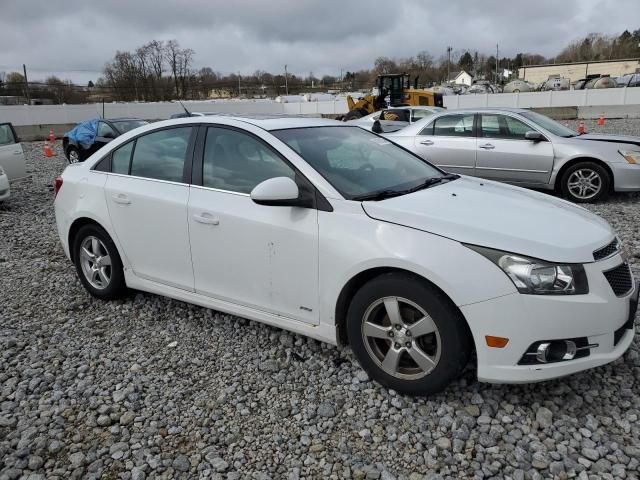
{"points": [[356, 162], [124, 126], [549, 125]]}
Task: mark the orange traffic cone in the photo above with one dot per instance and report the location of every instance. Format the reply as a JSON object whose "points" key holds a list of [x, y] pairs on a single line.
{"points": [[581, 127], [47, 149], [601, 120], [52, 137]]}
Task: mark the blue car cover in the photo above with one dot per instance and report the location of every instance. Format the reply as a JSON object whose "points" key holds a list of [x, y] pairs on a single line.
{"points": [[84, 133]]}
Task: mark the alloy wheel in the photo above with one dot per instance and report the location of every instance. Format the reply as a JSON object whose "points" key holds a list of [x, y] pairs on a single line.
{"points": [[584, 183], [401, 338], [95, 262]]}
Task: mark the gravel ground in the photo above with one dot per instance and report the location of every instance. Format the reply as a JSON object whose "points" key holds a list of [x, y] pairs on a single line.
{"points": [[149, 387]]}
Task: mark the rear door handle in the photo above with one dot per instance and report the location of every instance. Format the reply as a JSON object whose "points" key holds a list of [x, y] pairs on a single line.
{"points": [[487, 146], [426, 142], [121, 198], [206, 219]]}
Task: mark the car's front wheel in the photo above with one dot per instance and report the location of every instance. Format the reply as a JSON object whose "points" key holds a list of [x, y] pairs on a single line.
{"points": [[98, 263], [407, 335], [585, 182]]}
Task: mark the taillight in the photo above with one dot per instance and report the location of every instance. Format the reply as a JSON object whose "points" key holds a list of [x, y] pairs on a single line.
{"points": [[57, 185]]}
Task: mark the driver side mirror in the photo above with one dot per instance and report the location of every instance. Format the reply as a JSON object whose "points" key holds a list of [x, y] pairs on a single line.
{"points": [[534, 136], [277, 192], [377, 127], [108, 135]]}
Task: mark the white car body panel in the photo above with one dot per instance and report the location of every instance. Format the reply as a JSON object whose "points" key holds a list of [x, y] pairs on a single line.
{"points": [[5, 190], [264, 263], [278, 248], [12, 157]]}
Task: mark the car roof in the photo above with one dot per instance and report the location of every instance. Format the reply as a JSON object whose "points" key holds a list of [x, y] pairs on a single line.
{"points": [[274, 122], [124, 119]]}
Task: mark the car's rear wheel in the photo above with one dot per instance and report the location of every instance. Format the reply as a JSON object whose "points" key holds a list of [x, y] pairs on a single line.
{"points": [[407, 335], [73, 155], [585, 182], [98, 263]]}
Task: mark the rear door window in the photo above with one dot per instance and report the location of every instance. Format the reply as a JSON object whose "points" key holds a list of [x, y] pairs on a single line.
{"points": [[161, 155], [458, 125]]}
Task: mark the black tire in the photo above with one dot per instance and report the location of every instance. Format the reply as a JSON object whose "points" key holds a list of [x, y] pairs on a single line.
{"points": [[74, 153], [587, 168], [116, 287], [455, 343]]}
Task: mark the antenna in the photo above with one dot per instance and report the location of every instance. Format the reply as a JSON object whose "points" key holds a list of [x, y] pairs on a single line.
{"points": [[185, 109]]}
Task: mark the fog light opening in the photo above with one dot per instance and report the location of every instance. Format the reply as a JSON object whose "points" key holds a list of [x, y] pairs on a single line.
{"points": [[556, 351]]}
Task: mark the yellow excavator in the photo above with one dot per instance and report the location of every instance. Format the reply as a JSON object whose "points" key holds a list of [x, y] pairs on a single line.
{"points": [[397, 87]]}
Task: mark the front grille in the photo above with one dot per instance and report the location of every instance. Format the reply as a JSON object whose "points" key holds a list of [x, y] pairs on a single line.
{"points": [[606, 251], [620, 279]]}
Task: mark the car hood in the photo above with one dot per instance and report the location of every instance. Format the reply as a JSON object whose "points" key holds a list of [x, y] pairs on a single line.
{"points": [[499, 216], [602, 137]]}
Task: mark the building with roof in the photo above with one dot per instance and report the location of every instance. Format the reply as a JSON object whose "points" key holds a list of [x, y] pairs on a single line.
{"points": [[576, 71], [461, 78]]}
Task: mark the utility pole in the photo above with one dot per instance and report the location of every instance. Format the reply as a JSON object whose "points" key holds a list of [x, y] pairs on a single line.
{"points": [[238, 83], [496, 64], [448, 62], [286, 84], [26, 84]]}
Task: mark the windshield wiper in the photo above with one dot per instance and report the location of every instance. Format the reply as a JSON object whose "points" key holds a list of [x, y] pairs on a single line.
{"points": [[381, 195], [388, 193], [432, 181]]}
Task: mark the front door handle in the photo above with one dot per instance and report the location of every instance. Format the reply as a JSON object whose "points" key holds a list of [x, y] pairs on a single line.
{"points": [[426, 142], [487, 146], [121, 198], [206, 219]]}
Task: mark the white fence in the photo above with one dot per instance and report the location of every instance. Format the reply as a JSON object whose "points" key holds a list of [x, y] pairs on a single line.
{"points": [[566, 98], [21, 115]]}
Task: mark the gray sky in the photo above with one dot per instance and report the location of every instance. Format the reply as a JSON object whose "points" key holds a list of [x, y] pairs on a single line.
{"points": [[74, 38]]}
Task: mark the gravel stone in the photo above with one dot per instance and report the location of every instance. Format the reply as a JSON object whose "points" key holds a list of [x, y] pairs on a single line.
{"points": [[544, 417], [91, 389]]}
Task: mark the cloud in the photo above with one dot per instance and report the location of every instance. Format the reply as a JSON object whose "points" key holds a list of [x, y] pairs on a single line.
{"points": [[77, 37]]}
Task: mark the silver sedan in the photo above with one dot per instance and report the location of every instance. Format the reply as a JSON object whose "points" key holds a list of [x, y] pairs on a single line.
{"points": [[528, 149]]}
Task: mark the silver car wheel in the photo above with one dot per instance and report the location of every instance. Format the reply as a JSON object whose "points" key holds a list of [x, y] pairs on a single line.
{"points": [[74, 156], [584, 183], [95, 262], [401, 338]]}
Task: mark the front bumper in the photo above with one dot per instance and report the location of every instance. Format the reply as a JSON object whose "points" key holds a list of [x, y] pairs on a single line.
{"points": [[626, 177], [526, 319]]}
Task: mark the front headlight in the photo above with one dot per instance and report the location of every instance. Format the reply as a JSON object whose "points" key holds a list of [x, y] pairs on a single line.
{"points": [[538, 277], [630, 156]]}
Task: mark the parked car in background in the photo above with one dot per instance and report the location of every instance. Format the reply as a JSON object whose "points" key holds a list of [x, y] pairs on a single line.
{"points": [[330, 231], [527, 149], [601, 82], [12, 158], [87, 137], [629, 80], [516, 86], [556, 84], [481, 87], [5, 190], [395, 118]]}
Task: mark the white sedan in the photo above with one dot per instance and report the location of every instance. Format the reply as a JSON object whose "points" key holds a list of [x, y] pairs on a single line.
{"points": [[330, 231]]}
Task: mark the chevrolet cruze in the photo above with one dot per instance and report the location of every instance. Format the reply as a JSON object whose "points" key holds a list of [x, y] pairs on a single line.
{"points": [[333, 232]]}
